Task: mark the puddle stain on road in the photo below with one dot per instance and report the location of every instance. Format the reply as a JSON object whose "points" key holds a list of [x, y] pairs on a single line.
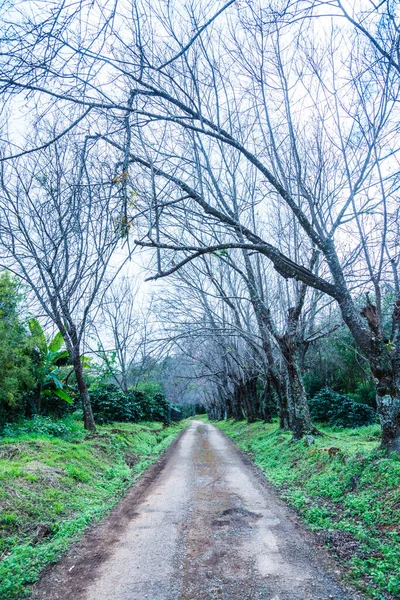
{"points": [[213, 568]]}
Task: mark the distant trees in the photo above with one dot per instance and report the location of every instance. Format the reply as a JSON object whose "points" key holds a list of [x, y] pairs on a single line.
{"points": [[239, 367], [122, 333]]}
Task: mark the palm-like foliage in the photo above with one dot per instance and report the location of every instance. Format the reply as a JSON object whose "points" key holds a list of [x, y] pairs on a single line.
{"points": [[50, 357]]}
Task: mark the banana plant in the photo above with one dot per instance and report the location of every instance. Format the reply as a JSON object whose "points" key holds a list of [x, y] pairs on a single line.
{"points": [[50, 357]]}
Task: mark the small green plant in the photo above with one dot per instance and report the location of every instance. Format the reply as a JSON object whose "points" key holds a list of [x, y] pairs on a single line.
{"points": [[109, 403], [43, 426], [50, 357]]}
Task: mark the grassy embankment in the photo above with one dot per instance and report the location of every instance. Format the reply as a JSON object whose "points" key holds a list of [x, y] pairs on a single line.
{"points": [[55, 480], [350, 495]]}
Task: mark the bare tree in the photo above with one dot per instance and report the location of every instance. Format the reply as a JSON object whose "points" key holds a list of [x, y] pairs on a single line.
{"points": [[351, 140], [123, 331], [59, 229], [377, 23]]}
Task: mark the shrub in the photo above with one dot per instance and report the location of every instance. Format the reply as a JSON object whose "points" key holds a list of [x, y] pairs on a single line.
{"points": [[109, 403], [333, 408], [154, 408], [365, 393], [353, 414]]}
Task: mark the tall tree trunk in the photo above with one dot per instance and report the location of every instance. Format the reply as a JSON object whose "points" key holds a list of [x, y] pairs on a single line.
{"points": [[236, 404], [384, 359], [88, 419], [279, 388], [298, 420], [266, 402], [389, 416], [228, 407], [385, 368], [299, 413], [283, 399], [124, 383], [250, 398], [73, 346]]}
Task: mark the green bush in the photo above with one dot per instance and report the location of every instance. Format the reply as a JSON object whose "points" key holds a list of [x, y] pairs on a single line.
{"points": [[365, 393], [154, 408], [333, 408], [109, 403]]}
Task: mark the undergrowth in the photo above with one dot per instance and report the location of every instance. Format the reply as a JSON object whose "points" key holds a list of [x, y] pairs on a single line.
{"points": [[345, 490], [55, 480]]}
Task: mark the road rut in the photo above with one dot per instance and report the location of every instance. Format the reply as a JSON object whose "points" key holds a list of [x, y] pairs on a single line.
{"points": [[207, 527]]}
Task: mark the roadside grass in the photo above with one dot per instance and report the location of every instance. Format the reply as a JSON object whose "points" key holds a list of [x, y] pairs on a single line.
{"points": [[55, 480], [344, 488]]}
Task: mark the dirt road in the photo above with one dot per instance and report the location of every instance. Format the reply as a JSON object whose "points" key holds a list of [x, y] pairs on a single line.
{"points": [[205, 526]]}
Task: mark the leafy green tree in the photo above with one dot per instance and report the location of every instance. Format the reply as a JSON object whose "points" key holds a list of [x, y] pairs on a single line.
{"points": [[16, 365]]}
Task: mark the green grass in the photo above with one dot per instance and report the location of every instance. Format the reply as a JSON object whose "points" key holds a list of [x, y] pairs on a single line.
{"points": [[351, 497], [55, 480]]}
